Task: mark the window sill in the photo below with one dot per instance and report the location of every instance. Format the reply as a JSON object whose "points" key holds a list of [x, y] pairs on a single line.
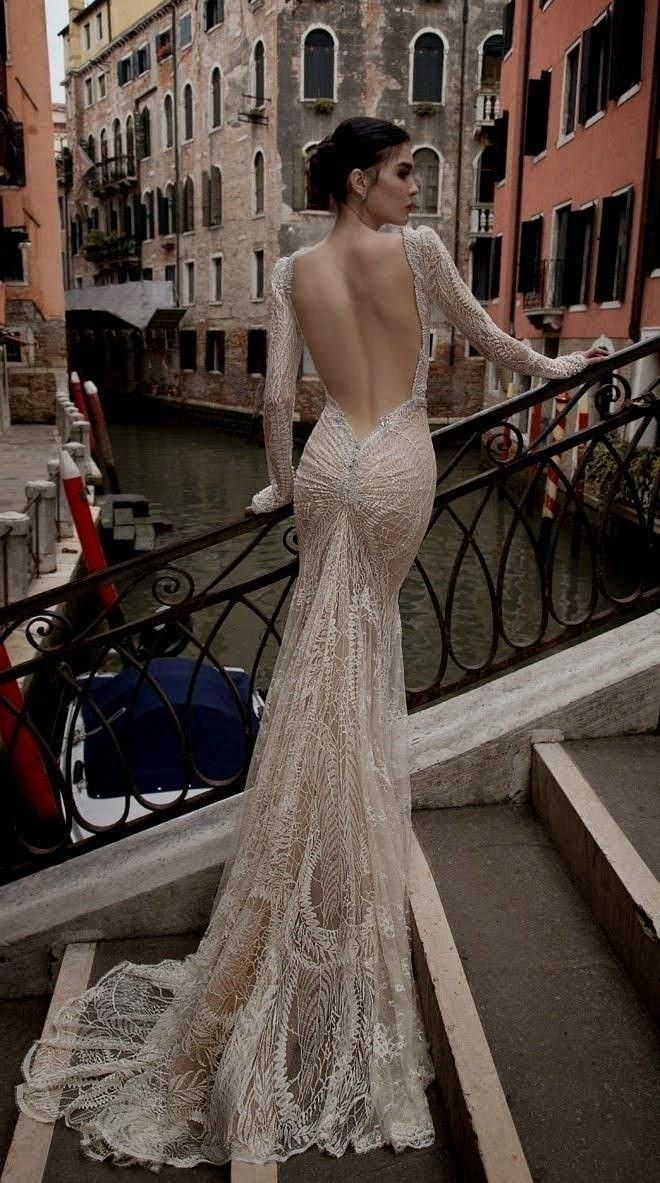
{"points": [[541, 156], [576, 308], [213, 28], [262, 214], [218, 373], [565, 139], [628, 94], [258, 299], [215, 303], [610, 304], [655, 274], [188, 141], [218, 127], [187, 233], [594, 118]]}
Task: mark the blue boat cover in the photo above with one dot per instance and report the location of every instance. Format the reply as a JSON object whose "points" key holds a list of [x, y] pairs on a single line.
{"points": [[212, 728]]}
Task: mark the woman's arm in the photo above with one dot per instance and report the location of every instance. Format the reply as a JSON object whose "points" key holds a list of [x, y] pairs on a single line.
{"points": [[285, 344], [462, 309]]}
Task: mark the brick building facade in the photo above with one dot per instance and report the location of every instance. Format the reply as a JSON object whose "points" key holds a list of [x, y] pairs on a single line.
{"points": [[32, 334], [195, 122]]}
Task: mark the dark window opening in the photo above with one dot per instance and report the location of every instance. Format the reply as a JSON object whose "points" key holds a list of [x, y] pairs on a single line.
{"points": [[187, 349], [594, 73], [215, 351], [214, 13], [428, 67], [529, 261], [507, 25], [536, 114], [319, 65], [627, 42], [613, 247], [256, 351], [486, 257]]}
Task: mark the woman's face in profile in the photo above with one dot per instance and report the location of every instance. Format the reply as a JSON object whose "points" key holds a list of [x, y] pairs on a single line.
{"points": [[393, 194]]}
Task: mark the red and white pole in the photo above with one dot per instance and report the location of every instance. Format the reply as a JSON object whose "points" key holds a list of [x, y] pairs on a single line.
{"points": [[78, 396], [76, 495], [549, 508], [582, 424], [103, 445], [25, 759]]}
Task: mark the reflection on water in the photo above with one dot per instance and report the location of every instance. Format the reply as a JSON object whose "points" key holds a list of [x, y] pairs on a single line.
{"points": [[201, 475]]}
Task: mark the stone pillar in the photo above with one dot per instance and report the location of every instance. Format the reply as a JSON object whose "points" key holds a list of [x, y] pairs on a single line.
{"points": [[44, 532], [62, 512], [14, 556]]}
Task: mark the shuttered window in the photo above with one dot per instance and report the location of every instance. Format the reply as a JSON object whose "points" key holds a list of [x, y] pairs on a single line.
{"points": [[536, 114], [215, 351], [428, 67], [614, 246], [627, 42], [595, 68], [577, 256], [529, 261], [319, 65]]}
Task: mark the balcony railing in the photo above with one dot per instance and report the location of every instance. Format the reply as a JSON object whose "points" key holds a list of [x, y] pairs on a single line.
{"points": [[537, 581], [546, 286], [482, 219], [487, 107], [114, 172]]}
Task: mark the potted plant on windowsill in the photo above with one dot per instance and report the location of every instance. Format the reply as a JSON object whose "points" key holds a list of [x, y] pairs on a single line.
{"points": [[425, 108], [257, 112], [323, 106]]}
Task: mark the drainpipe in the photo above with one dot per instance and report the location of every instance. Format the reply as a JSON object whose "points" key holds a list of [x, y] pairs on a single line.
{"points": [[138, 174], [634, 327], [517, 204], [177, 169], [459, 159]]}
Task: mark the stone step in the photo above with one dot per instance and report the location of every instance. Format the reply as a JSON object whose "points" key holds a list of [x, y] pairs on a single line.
{"points": [[466, 1100], [600, 803], [575, 1049]]}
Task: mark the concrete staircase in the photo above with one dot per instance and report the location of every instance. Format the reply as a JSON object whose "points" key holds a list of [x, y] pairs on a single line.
{"points": [[536, 951]]}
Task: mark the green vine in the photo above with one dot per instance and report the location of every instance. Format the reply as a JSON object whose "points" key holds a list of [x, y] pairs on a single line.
{"points": [[602, 469]]}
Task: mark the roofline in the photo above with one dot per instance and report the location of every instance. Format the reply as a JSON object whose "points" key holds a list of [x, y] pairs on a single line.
{"points": [[84, 12]]}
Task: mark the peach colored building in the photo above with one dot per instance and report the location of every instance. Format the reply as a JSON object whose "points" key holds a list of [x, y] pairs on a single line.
{"points": [[577, 174], [31, 286]]}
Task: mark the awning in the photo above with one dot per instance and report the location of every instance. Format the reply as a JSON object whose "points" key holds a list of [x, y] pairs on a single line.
{"points": [[140, 304]]}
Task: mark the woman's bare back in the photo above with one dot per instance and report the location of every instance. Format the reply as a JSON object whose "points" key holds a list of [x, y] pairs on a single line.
{"points": [[357, 311]]}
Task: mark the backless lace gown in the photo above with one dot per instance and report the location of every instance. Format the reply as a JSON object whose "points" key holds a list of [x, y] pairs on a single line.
{"points": [[296, 1022]]}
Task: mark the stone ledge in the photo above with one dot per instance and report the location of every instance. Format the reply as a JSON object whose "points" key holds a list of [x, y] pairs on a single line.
{"points": [[477, 747]]}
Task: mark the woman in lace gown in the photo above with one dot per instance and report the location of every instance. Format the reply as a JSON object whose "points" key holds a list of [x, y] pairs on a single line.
{"points": [[296, 1022]]}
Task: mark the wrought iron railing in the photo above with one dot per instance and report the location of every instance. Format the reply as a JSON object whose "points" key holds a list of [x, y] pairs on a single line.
{"points": [[112, 171], [545, 529]]}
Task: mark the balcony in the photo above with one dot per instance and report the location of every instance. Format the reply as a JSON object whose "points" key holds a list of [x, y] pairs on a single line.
{"points": [[12, 151], [113, 174], [482, 218], [487, 108], [545, 302], [110, 248]]}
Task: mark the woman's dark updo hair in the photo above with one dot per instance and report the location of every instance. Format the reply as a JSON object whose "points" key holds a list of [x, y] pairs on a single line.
{"points": [[361, 142]]}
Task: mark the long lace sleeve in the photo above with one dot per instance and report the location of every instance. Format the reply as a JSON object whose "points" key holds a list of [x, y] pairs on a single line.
{"points": [[462, 309], [285, 343]]}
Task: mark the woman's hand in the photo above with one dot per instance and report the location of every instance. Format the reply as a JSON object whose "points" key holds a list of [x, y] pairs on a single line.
{"points": [[595, 352]]}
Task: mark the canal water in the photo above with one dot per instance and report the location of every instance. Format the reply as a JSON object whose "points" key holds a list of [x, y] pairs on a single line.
{"points": [[199, 475]]}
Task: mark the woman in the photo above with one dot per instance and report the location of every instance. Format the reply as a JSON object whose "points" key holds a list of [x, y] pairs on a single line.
{"points": [[296, 1022]]}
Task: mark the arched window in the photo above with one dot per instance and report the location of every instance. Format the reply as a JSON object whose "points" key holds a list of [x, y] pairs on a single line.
{"points": [[259, 183], [168, 224], [215, 98], [486, 175], [259, 82], [91, 147], [148, 214], [130, 143], [491, 61], [428, 67], [187, 112], [168, 121], [319, 70], [427, 171], [144, 134], [188, 204], [104, 154], [116, 146], [215, 196]]}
